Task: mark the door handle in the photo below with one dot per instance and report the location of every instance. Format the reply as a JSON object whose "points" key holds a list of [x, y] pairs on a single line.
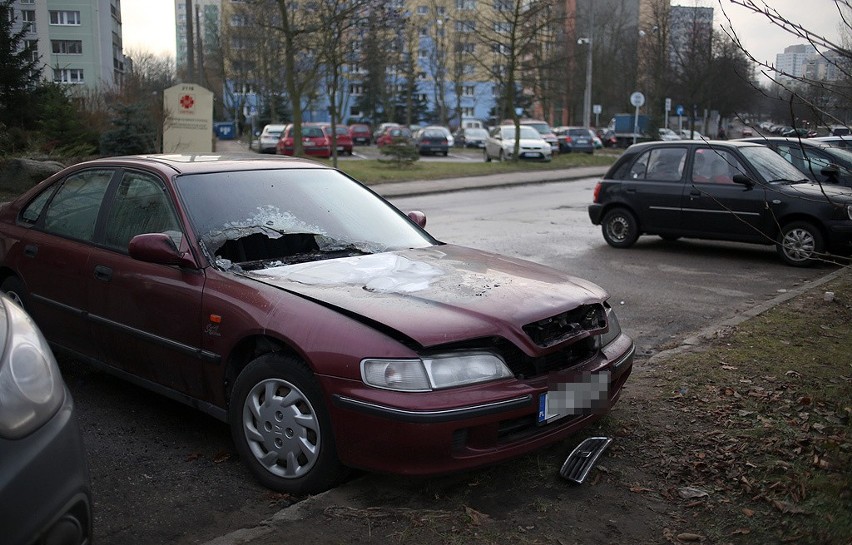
{"points": [[30, 250], [103, 273]]}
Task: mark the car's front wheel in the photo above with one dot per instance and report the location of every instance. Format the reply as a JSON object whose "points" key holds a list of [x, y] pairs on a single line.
{"points": [[281, 427], [487, 157], [15, 290], [620, 228], [800, 244]]}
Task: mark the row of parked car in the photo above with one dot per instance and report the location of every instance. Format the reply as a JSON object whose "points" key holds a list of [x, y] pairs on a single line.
{"points": [[432, 139]]}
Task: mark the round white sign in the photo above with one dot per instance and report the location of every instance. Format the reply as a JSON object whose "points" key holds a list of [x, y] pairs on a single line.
{"points": [[637, 99]]}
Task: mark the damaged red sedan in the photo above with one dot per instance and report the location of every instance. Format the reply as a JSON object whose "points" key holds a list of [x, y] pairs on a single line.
{"points": [[327, 328]]}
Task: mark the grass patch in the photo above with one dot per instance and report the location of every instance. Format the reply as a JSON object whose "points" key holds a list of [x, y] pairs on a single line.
{"points": [[752, 434], [373, 172]]}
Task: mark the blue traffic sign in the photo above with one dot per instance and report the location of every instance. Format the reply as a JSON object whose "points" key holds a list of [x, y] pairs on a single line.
{"points": [[679, 109]]}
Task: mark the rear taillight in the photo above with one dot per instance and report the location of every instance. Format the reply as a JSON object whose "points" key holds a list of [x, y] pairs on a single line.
{"points": [[597, 191]]}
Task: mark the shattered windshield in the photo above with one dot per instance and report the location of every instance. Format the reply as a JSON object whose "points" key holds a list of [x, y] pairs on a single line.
{"points": [[257, 219]]}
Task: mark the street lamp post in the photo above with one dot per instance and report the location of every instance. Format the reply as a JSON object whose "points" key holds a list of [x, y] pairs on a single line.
{"points": [[587, 95]]}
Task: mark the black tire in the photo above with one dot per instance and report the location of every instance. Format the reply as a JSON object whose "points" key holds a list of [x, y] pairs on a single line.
{"points": [[502, 156], [281, 428], [800, 244], [15, 290], [669, 238], [620, 228], [487, 157], [446, 153]]}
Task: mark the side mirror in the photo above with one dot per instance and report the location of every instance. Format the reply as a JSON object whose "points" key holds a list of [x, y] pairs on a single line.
{"points": [[831, 172], [159, 248], [744, 180], [418, 217]]}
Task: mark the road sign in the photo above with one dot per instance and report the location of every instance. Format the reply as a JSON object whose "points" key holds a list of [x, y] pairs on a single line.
{"points": [[596, 109], [637, 99], [679, 109], [668, 104]]}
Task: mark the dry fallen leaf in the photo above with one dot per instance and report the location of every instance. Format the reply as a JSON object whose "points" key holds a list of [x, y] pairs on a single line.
{"points": [[748, 512], [476, 518], [221, 456], [688, 537]]}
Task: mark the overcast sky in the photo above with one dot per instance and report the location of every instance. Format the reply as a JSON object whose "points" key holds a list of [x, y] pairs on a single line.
{"points": [[149, 25]]}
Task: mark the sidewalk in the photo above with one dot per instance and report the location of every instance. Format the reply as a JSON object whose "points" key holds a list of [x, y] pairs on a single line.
{"points": [[425, 187]]}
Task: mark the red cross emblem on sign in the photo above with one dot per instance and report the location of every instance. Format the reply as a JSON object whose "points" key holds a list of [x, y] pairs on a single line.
{"points": [[186, 102]]}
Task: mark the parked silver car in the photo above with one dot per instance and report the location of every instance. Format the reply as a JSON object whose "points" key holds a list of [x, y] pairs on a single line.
{"points": [[44, 480]]}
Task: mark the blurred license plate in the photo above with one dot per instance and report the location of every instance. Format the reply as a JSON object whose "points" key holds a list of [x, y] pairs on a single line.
{"points": [[590, 393], [531, 154]]}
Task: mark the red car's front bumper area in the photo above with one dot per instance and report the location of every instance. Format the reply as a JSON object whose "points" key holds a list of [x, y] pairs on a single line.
{"points": [[449, 431]]}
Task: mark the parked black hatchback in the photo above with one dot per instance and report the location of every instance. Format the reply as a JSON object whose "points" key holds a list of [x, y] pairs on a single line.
{"points": [[722, 190]]}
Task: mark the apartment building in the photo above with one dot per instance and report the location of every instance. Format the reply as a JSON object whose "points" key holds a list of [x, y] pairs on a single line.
{"points": [[77, 42]]}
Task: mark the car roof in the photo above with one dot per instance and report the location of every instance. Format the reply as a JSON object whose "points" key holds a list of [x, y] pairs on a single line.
{"points": [[274, 127], [694, 143], [793, 139], [205, 162]]}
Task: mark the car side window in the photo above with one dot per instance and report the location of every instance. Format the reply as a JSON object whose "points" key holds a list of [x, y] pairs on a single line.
{"points": [[661, 164], [141, 205], [74, 209], [715, 166]]}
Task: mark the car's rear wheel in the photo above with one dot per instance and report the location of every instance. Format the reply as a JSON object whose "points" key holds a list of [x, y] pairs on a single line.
{"points": [[281, 427], [800, 244], [502, 156], [15, 290], [487, 157], [620, 228]]}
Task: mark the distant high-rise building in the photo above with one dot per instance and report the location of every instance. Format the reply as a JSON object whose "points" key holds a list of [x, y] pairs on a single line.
{"points": [[206, 16], [794, 60], [690, 32], [78, 42]]}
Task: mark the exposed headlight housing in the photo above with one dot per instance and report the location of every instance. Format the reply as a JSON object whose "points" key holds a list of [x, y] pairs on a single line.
{"points": [[433, 372], [612, 333], [31, 387], [849, 211]]}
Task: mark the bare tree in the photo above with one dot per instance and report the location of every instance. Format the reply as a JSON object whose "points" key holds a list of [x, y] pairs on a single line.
{"points": [[508, 30], [343, 19], [825, 99]]}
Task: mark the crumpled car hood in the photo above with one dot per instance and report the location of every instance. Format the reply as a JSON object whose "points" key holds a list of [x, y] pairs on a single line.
{"points": [[439, 294]]}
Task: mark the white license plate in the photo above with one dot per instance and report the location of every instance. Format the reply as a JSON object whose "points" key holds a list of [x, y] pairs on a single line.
{"points": [[531, 154]]}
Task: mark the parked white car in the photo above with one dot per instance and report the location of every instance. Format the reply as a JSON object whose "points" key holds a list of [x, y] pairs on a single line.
{"points": [[269, 138], [668, 134], [501, 144], [686, 134]]}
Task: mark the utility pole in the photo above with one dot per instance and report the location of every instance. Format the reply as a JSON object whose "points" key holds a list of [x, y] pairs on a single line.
{"points": [[190, 44], [587, 96]]}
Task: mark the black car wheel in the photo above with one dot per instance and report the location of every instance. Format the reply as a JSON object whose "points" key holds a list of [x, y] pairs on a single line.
{"points": [[487, 157], [502, 156], [800, 244], [281, 427], [620, 228], [15, 290]]}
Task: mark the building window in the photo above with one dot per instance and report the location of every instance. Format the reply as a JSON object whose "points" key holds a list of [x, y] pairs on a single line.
{"points": [[67, 47], [466, 5], [468, 112], [66, 18], [502, 5], [422, 10], [31, 46], [468, 90], [68, 75], [26, 2], [28, 19], [465, 26]]}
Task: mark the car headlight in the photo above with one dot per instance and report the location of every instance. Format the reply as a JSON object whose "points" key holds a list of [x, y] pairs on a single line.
{"points": [[433, 372], [31, 387], [849, 211], [612, 333]]}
